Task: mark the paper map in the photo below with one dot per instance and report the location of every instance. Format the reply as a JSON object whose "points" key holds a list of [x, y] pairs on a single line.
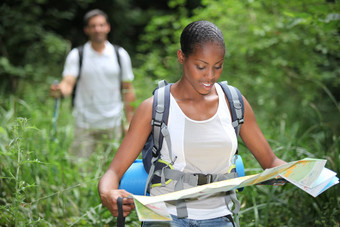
{"points": [[308, 174]]}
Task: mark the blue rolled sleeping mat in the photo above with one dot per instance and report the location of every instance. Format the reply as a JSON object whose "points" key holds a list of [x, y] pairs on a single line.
{"points": [[134, 179], [239, 166]]}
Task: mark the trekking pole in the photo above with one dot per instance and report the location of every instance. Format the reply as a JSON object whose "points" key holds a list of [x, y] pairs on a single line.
{"points": [[56, 113], [120, 218]]}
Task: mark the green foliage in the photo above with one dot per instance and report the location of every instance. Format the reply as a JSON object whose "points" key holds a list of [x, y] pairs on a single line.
{"points": [[287, 205], [30, 49], [282, 55], [273, 49], [41, 183]]}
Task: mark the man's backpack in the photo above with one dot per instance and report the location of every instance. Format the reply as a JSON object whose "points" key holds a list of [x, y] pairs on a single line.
{"points": [[81, 54]]}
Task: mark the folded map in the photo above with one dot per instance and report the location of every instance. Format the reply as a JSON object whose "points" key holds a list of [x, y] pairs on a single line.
{"points": [[308, 174]]}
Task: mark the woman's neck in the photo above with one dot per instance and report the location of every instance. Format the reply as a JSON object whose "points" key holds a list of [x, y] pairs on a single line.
{"points": [[183, 90]]}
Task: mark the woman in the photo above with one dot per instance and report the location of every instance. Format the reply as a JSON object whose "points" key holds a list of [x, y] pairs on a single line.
{"points": [[202, 136]]}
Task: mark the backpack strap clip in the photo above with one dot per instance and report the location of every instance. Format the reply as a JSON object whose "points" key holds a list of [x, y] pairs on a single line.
{"points": [[240, 121], [157, 123], [203, 178]]}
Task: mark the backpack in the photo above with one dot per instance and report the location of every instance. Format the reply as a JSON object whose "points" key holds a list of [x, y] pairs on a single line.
{"points": [[81, 54], [160, 172]]}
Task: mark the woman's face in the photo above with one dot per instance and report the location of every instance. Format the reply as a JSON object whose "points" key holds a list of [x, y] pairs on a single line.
{"points": [[203, 67]]}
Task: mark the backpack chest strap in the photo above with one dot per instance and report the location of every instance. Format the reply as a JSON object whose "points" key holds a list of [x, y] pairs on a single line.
{"points": [[193, 179]]}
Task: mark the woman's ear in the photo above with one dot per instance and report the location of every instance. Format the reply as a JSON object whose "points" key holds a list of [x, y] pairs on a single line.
{"points": [[180, 56]]}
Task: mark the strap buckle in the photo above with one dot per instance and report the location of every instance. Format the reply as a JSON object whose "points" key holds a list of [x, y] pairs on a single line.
{"points": [[203, 178], [156, 123]]}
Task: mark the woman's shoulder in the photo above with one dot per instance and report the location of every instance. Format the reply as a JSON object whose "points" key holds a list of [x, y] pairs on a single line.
{"points": [[143, 115], [145, 108], [147, 103]]}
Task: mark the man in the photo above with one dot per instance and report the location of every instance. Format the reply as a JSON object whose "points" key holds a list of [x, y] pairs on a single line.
{"points": [[98, 105]]}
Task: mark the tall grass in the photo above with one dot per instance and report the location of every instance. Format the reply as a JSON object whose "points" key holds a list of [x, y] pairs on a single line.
{"points": [[287, 205], [42, 184]]}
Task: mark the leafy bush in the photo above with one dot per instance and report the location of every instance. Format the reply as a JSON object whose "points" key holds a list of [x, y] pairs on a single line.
{"points": [[41, 183], [282, 55]]}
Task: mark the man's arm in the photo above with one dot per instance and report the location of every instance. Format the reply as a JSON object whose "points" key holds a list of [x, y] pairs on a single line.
{"points": [[64, 88], [128, 98]]}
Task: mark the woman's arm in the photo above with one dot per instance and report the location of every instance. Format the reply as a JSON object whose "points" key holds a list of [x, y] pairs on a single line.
{"points": [[127, 153], [255, 141]]}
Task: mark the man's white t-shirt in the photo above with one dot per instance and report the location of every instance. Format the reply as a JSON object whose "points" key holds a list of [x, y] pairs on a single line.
{"points": [[98, 102]]}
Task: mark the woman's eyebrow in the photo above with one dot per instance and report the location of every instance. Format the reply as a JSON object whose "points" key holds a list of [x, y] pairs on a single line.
{"points": [[207, 62]]}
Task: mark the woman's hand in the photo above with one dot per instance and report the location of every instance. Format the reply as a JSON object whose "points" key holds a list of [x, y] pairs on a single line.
{"points": [[127, 152], [109, 200]]}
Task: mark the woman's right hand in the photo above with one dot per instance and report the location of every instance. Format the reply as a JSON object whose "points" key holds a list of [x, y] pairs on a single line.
{"points": [[109, 200], [128, 151]]}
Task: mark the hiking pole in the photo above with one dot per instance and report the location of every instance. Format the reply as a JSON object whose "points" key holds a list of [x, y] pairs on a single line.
{"points": [[120, 218], [55, 114]]}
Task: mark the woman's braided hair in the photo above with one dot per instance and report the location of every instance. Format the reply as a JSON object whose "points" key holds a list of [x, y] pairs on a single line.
{"points": [[198, 33]]}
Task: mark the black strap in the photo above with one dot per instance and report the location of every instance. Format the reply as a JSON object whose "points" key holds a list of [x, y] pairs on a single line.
{"points": [[80, 53], [230, 219], [120, 218], [116, 47]]}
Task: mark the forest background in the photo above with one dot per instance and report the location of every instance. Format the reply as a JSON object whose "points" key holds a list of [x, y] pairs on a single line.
{"points": [[282, 55]]}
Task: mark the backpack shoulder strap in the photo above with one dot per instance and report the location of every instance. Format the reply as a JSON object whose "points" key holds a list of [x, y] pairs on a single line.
{"points": [[80, 54], [160, 114], [236, 104], [116, 47]]}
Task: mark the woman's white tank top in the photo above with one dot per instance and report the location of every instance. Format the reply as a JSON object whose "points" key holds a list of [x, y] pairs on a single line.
{"points": [[204, 147]]}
